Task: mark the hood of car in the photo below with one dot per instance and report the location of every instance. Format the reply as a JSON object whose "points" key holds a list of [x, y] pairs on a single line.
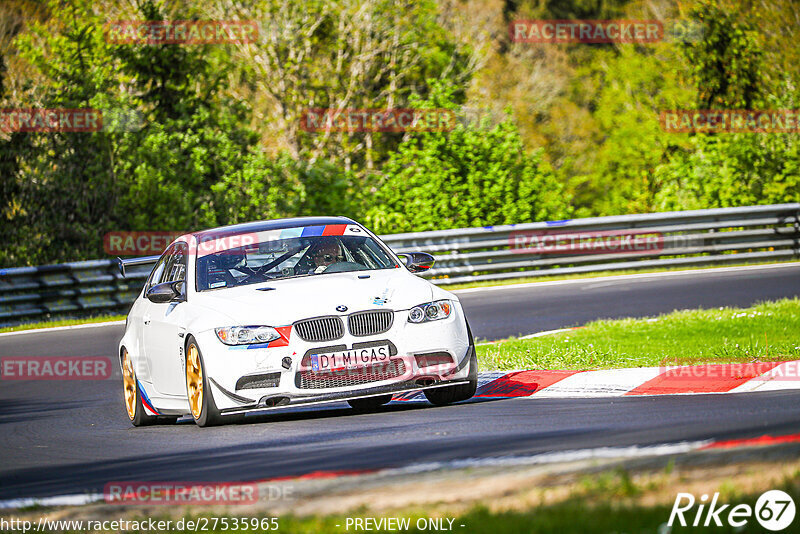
{"points": [[283, 302]]}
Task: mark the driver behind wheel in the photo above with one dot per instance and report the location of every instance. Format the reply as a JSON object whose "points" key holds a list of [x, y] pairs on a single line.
{"points": [[326, 252]]}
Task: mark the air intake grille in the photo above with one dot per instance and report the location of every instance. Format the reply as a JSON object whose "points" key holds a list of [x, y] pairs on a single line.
{"points": [[270, 380], [370, 323], [351, 377], [433, 358], [319, 329]]}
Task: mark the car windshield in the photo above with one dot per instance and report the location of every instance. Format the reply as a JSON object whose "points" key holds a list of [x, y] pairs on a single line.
{"points": [[251, 258]]}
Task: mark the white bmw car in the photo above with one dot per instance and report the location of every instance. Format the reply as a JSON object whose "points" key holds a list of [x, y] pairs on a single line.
{"points": [[289, 312]]}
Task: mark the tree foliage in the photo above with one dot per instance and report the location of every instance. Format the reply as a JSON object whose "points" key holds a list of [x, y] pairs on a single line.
{"points": [[202, 135], [469, 177]]}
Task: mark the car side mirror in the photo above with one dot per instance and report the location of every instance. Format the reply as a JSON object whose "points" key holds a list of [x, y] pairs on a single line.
{"points": [[417, 262], [166, 292]]}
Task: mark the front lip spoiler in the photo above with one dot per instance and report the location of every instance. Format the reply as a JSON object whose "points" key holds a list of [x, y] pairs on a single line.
{"points": [[233, 396], [306, 400]]}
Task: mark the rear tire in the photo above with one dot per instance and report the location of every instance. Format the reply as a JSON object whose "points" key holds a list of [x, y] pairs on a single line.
{"points": [[369, 403], [449, 394]]}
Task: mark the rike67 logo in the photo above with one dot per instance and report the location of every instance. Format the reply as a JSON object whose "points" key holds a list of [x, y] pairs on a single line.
{"points": [[774, 510]]}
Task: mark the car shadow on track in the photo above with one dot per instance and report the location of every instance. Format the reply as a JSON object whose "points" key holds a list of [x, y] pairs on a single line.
{"points": [[492, 388], [342, 409], [12, 411]]}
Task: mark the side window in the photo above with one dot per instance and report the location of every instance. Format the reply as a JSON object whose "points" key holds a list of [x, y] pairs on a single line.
{"points": [[175, 269]]}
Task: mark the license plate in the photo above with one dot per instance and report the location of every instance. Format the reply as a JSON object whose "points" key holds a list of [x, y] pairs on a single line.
{"points": [[349, 359]]}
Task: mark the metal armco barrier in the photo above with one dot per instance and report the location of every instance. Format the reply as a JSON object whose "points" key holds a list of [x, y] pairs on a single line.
{"points": [[672, 239]]}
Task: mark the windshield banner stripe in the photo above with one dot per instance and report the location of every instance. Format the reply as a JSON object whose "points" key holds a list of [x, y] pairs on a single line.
{"points": [[334, 229], [289, 233], [312, 231], [216, 246]]}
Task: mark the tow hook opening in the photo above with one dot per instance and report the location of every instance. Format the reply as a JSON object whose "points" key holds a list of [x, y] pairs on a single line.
{"points": [[271, 402]]}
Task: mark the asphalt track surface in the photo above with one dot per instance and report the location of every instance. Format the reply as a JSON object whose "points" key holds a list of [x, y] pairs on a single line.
{"points": [[59, 438]]}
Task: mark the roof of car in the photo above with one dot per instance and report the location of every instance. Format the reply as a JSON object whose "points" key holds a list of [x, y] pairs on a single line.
{"points": [[275, 224]]}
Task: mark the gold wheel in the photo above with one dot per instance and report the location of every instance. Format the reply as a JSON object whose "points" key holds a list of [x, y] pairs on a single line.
{"points": [[194, 381], [129, 384]]}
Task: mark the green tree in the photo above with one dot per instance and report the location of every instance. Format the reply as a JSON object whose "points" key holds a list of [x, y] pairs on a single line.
{"points": [[727, 63], [732, 169], [268, 188], [635, 85], [343, 54], [466, 177], [64, 181]]}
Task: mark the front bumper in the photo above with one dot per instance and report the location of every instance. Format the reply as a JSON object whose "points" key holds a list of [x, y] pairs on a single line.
{"points": [[227, 366]]}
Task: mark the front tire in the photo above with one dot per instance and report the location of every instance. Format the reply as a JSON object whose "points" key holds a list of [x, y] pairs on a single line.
{"points": [[201, 402], [449, 394]]}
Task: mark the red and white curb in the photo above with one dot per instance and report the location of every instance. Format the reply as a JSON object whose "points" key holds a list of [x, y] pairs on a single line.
{"points": [[665, 380]]}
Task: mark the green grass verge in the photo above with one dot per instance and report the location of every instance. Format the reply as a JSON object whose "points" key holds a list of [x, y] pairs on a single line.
{"points": [[769, 331], [605, 503], [580, 276], [63, 322]]}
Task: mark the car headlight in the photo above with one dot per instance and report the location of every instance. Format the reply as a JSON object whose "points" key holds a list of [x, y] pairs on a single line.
{"points": [[246, 335], [430, 311]]}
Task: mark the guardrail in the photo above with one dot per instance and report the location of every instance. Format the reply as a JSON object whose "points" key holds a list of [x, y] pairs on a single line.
{"points": [[685, 238]]}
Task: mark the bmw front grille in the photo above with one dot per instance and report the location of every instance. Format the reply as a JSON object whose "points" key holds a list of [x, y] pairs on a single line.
{"points": [[320, 329], [370, 323]]}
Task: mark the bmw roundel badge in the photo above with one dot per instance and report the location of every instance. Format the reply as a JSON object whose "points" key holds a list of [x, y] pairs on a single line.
{"points": [[341, 308]]}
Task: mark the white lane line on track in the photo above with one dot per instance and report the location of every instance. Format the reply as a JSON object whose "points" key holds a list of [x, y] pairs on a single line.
{"points": [[59, 500], [62, 328], [634, 451], [530, 336], [576, 455], [549, 332], [623, 277]]}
